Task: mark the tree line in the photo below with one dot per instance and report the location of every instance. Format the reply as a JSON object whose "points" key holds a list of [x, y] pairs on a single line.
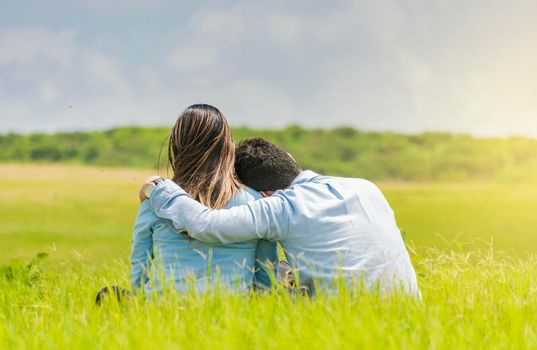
{"points": [[341, 151]]}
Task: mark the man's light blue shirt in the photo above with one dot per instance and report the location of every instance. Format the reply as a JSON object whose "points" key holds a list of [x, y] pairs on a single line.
{"points": [[159, 250], [329, 228]]}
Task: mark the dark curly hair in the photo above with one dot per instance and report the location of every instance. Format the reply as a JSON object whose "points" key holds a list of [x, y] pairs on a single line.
{"points": [[263, 166]]}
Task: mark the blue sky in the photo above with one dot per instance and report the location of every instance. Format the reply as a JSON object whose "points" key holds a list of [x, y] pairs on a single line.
{"points": [[410, 66]]}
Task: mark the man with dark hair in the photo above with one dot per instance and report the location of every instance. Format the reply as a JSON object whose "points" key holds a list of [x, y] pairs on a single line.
{"points": [[330, 228], [263, 166]]}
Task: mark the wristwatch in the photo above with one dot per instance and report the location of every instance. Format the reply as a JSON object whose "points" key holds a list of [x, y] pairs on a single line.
{"points": [[150, 187]]}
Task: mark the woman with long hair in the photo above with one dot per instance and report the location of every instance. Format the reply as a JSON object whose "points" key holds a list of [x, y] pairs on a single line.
{"points": [[201, 153]]}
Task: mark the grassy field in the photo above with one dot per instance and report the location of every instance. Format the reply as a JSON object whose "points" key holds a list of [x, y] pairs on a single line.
{"points": [[476, 294]]}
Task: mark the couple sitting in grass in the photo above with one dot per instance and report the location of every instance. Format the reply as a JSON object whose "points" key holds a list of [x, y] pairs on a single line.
{"points": [[218, 220]]}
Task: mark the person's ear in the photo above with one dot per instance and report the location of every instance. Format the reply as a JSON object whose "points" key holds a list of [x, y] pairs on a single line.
{"points": [[266, 193]]}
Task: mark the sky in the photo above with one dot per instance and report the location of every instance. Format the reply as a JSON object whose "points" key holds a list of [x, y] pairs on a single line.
{"points": [[398, 65]]}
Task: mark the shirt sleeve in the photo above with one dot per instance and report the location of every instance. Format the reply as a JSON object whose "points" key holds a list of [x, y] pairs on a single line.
{"points": [[266, 218], [142, 246]]}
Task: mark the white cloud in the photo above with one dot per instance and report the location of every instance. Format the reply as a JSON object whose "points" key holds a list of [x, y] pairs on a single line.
{"points": [[150, 80], [192, 57], [122, 5], [202, 44], [47, 92], [103, 75], [286, 29], [10, 115], [43, 72], [375, 65], [249, 101], [26, 45]]}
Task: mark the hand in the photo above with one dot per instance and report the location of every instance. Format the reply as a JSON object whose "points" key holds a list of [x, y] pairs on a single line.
{"points": [[141, 193]]}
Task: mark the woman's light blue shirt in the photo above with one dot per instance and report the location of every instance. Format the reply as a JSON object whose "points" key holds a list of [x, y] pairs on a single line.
{"points": [[161, 251]]}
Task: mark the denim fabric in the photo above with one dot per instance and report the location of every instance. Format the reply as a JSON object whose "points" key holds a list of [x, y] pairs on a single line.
{"points": [[163, 252]]}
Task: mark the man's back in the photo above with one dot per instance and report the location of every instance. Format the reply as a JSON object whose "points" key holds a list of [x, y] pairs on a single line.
{"points": [[341, 227]]}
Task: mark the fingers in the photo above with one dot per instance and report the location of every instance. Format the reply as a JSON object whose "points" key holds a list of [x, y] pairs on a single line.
{"points": [[141, 194]]}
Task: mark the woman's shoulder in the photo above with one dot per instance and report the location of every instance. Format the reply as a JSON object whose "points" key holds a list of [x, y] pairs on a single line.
{"points": [[245, 195], [146, 216]]}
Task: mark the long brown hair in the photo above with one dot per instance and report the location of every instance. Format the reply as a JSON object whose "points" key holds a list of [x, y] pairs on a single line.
{"points": [[201, 153]]}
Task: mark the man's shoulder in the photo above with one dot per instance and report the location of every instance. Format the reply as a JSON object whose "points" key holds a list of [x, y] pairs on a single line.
{"points": [[362, 186], [352, 184], [349, 180], [361, 182], [325, 179]]}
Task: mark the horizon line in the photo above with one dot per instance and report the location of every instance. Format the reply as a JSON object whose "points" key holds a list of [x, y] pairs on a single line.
{"points": [[288, 126]]}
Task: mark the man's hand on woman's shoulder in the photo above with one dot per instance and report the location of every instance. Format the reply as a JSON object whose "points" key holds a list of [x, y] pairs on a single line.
{"points": [[141, 194]]}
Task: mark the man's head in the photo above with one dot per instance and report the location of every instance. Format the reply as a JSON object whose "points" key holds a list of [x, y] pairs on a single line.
{"points": [[263, 166]]}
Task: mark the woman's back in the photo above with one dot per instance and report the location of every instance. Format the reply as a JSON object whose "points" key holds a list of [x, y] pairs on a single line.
{"points": [[159, 249], [201, 154]]}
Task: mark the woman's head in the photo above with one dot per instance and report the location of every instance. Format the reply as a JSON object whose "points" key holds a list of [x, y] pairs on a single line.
{"points": [[202, 155]]}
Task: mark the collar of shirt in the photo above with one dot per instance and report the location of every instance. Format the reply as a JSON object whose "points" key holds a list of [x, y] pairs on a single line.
{"points": [[305, 176]]}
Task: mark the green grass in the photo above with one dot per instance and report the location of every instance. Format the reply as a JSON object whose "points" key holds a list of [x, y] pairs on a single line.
{"points": [[468, 215], [474, 295]]}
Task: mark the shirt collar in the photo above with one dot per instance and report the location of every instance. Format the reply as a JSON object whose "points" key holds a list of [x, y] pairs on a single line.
{"points": [[304, 176]]}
